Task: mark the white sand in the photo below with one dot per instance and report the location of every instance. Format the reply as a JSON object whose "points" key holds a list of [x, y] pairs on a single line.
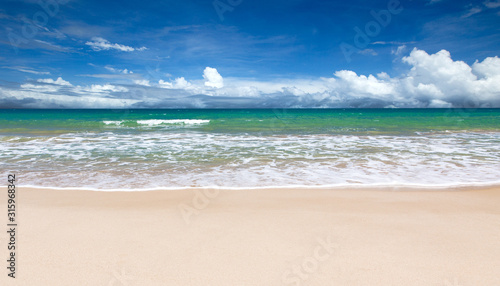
{"points": [[256, 237]]}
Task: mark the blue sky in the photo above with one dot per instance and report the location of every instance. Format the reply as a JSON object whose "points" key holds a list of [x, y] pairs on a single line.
{"points": [[240, 53]]}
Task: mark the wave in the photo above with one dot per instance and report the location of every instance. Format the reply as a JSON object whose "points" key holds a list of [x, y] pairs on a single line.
{"points": [[158, 122], [161, 160]]}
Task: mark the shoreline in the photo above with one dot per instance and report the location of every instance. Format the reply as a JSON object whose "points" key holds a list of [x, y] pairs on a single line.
{"points": [[337, 187], [257, 237]]}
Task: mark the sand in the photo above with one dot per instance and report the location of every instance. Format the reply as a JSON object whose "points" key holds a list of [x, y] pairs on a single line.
{"points": [[256, 237]]}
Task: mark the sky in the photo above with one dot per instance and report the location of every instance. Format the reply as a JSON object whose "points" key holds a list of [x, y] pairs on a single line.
{"points": [[249, 54]]}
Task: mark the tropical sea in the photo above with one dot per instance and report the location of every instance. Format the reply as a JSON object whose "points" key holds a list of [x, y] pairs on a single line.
{"points": [[250, 148]]}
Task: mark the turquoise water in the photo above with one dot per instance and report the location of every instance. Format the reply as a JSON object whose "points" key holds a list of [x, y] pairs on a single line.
{"points": [[297, 121], [141, 149]]}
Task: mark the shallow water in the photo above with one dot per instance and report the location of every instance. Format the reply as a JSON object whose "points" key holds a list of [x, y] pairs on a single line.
{"points": [[141, 149]]}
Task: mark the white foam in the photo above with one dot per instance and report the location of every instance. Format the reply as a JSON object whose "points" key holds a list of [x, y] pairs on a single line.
{"points": [[162, 160], [154, 122], [159, 122], [393, 186], [111, 122]]}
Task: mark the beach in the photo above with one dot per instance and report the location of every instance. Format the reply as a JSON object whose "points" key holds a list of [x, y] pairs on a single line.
{"points": [[253, 197], [247, 143], [295, 236]]}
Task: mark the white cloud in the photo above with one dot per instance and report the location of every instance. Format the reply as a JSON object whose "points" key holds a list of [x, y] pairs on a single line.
{"points": [[362, 86], [181, 83], [28, 70], [37, 99], [115, 70], [437, 103], [399, 50], [39, 88], [212, 78], [165, 84], [105, 88], [178, 83], [489, 4], [47, 85], [368, 52], [53, 46], [99, 44], [58, 81], [392, 43], [488, 68], [472, 11], [143, 82], [432, 80], [452, 78], [492, 4]]}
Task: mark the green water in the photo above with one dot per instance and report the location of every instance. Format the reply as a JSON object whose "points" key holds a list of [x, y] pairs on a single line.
{"points": [[138, 149], [280, 121]]}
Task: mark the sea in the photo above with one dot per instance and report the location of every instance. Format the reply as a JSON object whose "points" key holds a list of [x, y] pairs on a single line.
{"points": [[147, 149]]}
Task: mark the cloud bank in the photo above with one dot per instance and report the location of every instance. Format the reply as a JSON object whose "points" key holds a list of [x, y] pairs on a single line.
{"points": [[431, 81]]}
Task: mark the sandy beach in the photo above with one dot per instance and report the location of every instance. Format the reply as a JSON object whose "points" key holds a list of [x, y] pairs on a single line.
{"points": [[257, 237]]}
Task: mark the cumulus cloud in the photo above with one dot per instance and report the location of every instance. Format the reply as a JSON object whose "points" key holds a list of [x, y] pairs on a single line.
{"points": [[489, 68], [39, 88], [97, 89], [100, 44], [437, 76], [178, 83], [58, 81], [143, 82], [437, 103], [105, 88], [363, 86], [212, 78], [432, 80], [46, 85]]}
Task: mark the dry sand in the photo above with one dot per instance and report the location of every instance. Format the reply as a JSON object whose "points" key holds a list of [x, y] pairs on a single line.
{"points": [[256, 237]]}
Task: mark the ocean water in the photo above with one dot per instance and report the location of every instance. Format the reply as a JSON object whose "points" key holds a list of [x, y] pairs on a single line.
{"points": [[148, 149]]}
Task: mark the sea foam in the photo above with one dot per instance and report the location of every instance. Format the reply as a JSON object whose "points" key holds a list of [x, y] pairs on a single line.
{"points": [[111, 160], [159, 122]]}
